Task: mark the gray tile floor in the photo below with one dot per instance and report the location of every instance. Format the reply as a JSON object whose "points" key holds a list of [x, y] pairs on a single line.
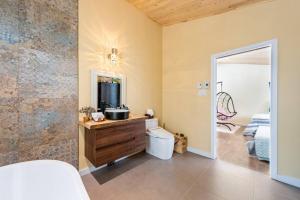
{"points": [[186, 176]]}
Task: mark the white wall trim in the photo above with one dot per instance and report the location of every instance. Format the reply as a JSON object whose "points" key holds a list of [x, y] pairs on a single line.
{"points": [[199, 152], [288, 180], [91, 169], [94, 86], [273, 45]]}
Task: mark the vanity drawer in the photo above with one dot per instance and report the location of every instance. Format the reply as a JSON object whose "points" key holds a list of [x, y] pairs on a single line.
{"points": [[140, 139], [112, 139], [109, 143], [138, 125], [111, 153], [114, 135]]}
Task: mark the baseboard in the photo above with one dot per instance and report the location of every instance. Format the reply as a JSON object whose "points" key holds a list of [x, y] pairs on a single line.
{"points": [[91, 169], [288, 180], [199, 152]]}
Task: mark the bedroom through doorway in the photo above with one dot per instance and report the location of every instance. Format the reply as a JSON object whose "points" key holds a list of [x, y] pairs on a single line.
{"points": [[243, 99]]}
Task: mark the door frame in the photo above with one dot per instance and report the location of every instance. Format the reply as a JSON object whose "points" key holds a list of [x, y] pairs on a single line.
{"points": [[273, 105]]}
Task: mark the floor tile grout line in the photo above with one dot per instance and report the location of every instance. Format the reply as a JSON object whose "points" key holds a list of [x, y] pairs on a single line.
{"points": [[195, 180]]}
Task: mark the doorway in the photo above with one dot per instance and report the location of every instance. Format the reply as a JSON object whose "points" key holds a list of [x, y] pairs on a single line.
{"points": [[230, 111]]}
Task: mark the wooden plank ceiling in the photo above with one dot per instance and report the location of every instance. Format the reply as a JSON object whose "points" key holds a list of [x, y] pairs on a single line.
{"points": [[168, 12]]}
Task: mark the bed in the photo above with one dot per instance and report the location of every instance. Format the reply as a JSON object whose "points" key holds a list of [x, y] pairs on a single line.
{"points": [[259, 129], [262, 143], [262, 119]]}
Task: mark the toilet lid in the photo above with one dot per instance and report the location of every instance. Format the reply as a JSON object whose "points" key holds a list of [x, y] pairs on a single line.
{"points": [[160, 133]]}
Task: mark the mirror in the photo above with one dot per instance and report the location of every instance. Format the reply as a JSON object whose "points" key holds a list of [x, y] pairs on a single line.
{"points": [[107, 90]]}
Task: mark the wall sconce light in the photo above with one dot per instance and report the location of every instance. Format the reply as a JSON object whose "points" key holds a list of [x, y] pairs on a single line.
{"points": [[113, 56]]}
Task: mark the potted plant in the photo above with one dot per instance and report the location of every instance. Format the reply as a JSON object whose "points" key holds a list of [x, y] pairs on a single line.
{"points": [[87, 110]]}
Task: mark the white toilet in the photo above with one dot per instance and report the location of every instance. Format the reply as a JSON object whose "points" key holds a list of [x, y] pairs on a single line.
{"points": [[160, 143]]}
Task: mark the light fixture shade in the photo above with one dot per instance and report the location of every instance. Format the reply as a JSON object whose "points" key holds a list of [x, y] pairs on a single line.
{"points": [[113, 56]]}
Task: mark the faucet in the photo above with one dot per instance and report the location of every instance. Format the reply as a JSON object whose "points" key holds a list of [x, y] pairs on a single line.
{"points": [[125, 107], [104, 105]]}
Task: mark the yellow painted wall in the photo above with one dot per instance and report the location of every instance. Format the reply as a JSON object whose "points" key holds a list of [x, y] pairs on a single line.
{"points": [[115, 23], [187, 50]]}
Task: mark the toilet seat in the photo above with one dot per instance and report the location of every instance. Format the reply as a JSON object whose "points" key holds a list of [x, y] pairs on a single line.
{"points": [[160, 133], [159, 142]]}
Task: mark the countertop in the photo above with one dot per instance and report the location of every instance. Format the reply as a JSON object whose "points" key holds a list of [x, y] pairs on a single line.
{"points": [[107, 123]]}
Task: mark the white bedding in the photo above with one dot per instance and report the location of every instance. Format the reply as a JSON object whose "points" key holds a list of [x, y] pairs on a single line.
{"points": [[261, 119], [261, 116], [262, 142]]}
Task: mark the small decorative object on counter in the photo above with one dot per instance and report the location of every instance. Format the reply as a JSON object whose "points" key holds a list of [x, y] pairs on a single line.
{"points": [[180, 143], [87, 110], [149, 113], [85, 119], [98, 116]]}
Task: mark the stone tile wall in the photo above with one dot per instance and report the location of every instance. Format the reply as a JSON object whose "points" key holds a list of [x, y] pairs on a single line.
{"points": [[38, 80]]}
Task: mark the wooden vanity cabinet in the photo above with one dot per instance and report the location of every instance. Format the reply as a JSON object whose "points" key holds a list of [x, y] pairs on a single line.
{"points": [[104, 144]]}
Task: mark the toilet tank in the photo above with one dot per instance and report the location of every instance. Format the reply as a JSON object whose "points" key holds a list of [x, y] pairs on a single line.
{"points": [[151, 123]]}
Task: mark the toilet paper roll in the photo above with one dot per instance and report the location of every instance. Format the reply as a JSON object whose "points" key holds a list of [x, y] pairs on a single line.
{"points": [[150, 112]]}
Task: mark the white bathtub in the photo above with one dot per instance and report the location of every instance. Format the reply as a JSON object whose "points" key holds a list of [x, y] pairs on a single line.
{"points": [[41, 180]]}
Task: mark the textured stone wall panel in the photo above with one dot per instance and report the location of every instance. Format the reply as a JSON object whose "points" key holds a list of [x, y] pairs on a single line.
{"points": [[39, 80]]}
